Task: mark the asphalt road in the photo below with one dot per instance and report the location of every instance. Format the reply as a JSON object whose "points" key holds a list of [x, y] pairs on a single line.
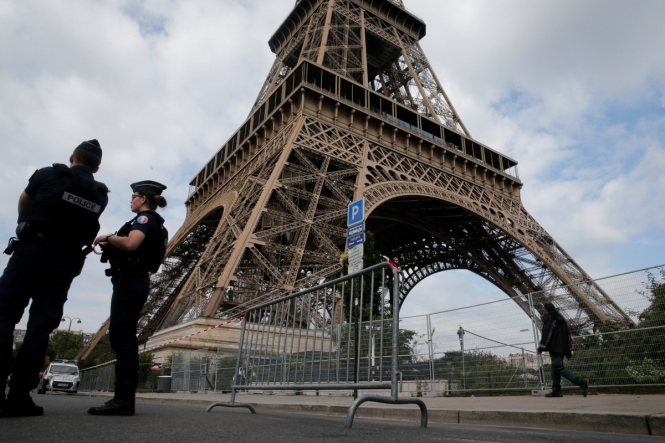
{"points": [[65, 420]]}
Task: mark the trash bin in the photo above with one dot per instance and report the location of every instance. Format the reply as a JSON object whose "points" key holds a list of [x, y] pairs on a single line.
{"points": [[164, 384]]}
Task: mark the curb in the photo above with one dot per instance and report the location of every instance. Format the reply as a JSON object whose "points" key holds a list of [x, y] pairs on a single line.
{"points": [[606, 422]]}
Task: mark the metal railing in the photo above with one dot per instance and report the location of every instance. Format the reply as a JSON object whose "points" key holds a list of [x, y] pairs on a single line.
{"points": [[490, 347], [326, 338], [481, 349]]}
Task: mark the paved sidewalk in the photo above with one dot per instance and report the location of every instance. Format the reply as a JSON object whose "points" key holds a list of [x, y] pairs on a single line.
{"points": [[626, 414]]}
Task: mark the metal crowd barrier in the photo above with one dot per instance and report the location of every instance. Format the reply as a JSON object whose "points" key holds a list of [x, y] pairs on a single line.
{"points": [[341, 335]]}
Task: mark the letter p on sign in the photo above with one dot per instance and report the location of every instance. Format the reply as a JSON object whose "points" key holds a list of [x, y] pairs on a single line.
{"points": [[356, 212]]}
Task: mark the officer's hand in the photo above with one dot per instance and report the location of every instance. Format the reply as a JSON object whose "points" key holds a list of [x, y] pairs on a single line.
{"points": [[568, 357], [101, 239], [539, 351]]}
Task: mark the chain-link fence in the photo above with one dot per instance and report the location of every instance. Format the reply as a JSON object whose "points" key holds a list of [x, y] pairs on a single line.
{"points": [[101, 378], [224, 369], [620, 352], [491, 347], [191, 371]]}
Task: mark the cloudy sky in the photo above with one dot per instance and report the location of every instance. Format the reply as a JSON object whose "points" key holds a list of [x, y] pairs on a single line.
{"points": [[573, 90]]}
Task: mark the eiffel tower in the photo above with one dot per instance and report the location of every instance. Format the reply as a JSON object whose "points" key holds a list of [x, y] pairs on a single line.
{"points": [[350, 109]]}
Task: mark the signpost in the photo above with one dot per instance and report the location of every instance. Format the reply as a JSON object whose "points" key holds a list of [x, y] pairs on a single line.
{"points": [[356, 212], [356, 235], [356, 258], [356, 240], [355, 230]]}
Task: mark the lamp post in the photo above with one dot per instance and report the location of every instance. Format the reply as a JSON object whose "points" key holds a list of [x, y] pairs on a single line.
{"points": [[69, 329], [460, 333]]}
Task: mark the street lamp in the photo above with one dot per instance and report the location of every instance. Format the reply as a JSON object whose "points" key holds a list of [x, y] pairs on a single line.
{"points": [[460, 333], [69, 329]]}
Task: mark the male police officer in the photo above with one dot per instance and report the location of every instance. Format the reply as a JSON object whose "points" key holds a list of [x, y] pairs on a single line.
{"points": [[58, 215]]}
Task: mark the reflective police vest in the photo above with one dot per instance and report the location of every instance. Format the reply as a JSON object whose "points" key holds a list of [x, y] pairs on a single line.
{"points": [[72, 218]]}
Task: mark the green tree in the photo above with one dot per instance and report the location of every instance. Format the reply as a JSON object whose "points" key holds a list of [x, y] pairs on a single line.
{"points": [[145, 368], [17, 346], [66, 343], [654, 314], [612, 355], [102, 353]]}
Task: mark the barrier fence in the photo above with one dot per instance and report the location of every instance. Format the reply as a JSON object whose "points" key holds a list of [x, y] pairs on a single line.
{"points": [[101, 378], [326, 338], [190, 371], [322, 339], [491, 347]]}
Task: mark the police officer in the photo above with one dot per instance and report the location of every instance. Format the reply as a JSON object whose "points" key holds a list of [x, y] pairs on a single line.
{"points": [[58, 215], [135, 250]]}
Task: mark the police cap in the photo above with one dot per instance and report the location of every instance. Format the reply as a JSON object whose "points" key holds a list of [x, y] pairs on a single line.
{"points": [[148, 185], [91, 146]]}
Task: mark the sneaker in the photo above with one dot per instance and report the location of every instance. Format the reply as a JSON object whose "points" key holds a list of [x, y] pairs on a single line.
{"points": [[585, 387], [115, 406], [555, 393], [22, 406]]}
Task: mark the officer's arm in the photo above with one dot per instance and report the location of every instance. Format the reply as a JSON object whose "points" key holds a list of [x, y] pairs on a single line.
{"points": [[22, 199], [129, 243]]}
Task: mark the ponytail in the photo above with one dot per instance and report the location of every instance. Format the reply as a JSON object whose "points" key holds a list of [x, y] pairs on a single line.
{"points": [[154, 200], [161, 201]]}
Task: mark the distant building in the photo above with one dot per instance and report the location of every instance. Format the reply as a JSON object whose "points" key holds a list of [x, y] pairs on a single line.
{"points": [[19, 336], [87, 336]]}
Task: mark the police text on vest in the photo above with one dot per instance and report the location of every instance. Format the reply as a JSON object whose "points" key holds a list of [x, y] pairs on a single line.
{"points": [[80, 201]]}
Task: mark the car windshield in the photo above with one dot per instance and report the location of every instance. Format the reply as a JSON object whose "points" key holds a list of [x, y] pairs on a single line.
{"points": [[62, 369]]}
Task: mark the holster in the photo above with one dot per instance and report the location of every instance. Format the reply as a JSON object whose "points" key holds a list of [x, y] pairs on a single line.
{"points": [[25, 231], [118, 269], [11, 246], [116, 275]]}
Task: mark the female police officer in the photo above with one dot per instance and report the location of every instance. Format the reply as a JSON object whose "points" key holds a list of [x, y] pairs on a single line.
{"points": [[137, 249]]}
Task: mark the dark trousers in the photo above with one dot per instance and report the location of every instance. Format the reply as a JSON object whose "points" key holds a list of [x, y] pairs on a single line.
{"points": [[41, 273], [559, 370], [130, 291]]}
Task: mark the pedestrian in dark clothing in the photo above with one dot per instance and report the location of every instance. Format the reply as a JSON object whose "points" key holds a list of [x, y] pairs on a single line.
{"points": [[136, 250], [557, 340], [58, 215]]}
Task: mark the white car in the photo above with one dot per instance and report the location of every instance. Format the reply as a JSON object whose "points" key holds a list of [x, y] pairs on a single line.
{"points": [[61, 375]]}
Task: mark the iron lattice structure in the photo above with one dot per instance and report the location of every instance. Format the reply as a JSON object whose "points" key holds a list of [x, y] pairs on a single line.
{"points": [[352, 109]]}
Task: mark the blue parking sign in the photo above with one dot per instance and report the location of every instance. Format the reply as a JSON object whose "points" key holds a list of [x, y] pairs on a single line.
{"points": [[356, 240], [356, 212]]}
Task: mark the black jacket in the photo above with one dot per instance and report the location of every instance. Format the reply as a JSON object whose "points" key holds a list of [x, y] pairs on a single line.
{"points": [[556, 335]]}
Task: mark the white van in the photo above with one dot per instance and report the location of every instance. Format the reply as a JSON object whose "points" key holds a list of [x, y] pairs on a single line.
{"points": [[61, 375]]}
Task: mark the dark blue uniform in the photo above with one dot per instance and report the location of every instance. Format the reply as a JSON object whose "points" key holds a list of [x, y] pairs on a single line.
{"points": [[42, 269], [130, 292], [130, 277]]}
